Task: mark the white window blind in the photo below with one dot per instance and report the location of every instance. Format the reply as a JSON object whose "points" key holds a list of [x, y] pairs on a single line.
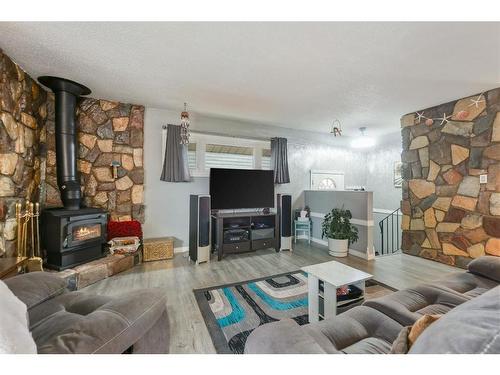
{"points": [[225, 156], [212, 151], [192, 156], [266, 159]]}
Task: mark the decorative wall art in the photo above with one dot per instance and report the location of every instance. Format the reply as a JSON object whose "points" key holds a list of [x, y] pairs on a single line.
{"points": [[327, 180], [398, 178], [468, 110]]}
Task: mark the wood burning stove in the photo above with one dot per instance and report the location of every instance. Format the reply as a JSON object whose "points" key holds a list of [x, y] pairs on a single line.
{"points": [[74, 234], [73, 237]]}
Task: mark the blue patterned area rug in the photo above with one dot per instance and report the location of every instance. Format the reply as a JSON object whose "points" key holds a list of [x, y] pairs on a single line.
{"points": [[233, 311]]}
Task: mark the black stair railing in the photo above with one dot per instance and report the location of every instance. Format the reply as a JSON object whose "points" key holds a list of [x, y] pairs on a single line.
{"points": [[390, 231]]}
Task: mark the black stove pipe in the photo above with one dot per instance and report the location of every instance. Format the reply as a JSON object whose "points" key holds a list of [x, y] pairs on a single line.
{"points": [[66, 93]]}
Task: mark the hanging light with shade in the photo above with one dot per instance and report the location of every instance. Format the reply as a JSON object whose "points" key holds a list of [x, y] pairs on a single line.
{"points": [[185, 126], [363, 141]]}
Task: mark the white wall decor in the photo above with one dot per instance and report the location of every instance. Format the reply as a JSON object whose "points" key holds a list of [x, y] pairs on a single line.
{"points": [[398, 179], [327, 180]]}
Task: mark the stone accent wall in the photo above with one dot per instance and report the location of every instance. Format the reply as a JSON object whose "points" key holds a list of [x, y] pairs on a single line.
{"points": [[109, 132], [23, 109], [448, 215]]}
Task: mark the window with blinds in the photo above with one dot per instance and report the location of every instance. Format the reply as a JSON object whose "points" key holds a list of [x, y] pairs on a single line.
{"points": [[192, 155], [213, 151], [225, 156], [266, 159]]}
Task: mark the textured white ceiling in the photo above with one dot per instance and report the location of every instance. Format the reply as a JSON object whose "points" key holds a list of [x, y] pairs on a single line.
{"points": [[298, 75]]}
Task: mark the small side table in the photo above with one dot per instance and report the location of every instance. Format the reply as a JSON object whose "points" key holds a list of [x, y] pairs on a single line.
{"points": [[334, 275], [10, 266], [303, 226]]}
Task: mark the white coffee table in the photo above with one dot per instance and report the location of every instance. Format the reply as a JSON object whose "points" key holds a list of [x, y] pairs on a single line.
{"points": [[334, 275]]}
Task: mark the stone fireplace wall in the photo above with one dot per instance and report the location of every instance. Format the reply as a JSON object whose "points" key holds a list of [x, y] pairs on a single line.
{"points": [[109, 132], [448, 214], [23, 112]]}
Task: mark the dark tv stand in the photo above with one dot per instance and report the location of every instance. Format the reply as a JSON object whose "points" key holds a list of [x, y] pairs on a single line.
{"points": [[262, 232]]}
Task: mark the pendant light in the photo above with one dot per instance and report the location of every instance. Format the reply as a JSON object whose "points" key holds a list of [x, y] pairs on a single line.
{"points": [[336, 128], [363, 141], [185, 126]]}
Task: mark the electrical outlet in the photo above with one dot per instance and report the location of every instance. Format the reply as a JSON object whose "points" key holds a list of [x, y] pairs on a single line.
{"points": [[483, 179]]}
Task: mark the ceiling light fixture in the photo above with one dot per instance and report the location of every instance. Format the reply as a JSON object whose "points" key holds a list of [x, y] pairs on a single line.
{"points": [[363, 141], [336, 128], [185, 126]]}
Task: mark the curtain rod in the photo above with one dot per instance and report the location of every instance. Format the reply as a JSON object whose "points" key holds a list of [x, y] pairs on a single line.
{"points": [[232, 136], [291, 141], [164, 127]]}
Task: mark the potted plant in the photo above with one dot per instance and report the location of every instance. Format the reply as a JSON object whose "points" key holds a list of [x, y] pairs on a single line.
{"points": [[340, 232]]}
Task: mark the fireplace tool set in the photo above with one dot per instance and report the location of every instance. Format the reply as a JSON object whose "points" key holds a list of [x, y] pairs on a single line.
{"points": [[28, 234]]}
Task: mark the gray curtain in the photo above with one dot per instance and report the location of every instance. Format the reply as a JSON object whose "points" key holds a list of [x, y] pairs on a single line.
{"points": [[175, 162], [279, 160]]}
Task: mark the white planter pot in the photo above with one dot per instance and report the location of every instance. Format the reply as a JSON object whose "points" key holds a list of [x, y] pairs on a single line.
{"points": [[338, 248]]}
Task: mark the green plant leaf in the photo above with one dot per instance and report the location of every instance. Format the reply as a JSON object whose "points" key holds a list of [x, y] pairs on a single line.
{"points": [[337, 225]]}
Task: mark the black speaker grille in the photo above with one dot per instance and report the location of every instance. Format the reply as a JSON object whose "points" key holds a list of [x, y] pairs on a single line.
{"points": [[286, 215], [204, 221]]}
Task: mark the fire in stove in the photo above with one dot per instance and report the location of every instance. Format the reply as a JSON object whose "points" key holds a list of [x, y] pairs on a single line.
{"points": [[87, 232]]}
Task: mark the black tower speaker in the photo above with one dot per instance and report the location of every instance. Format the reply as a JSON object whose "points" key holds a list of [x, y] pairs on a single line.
{"points": [[284, 210], [199, 228]]}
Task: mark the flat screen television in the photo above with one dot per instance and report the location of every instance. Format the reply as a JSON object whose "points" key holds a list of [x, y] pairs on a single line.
{"points": [[241, 188]]}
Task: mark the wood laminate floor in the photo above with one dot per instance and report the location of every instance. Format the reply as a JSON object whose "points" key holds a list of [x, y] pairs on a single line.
{"points": [[178, 277]]}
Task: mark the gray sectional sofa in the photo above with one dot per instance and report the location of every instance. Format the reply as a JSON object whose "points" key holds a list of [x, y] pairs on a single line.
{"points": [[61, 321], [470, 302]]}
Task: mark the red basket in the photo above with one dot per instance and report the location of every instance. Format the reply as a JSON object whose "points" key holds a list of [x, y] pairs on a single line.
{"points": [[124, 229]]}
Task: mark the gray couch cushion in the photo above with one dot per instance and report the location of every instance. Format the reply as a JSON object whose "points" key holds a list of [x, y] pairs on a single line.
{"points": [[156, 340], [487, 266], [406, 306], [35, 288], [360, 330], [471, 328], [281, 337], [81, 323], [74, 302], [467, 284]]}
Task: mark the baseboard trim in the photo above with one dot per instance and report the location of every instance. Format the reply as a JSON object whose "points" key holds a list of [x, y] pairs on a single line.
{"points": [[181, 249], [303, 237]]}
